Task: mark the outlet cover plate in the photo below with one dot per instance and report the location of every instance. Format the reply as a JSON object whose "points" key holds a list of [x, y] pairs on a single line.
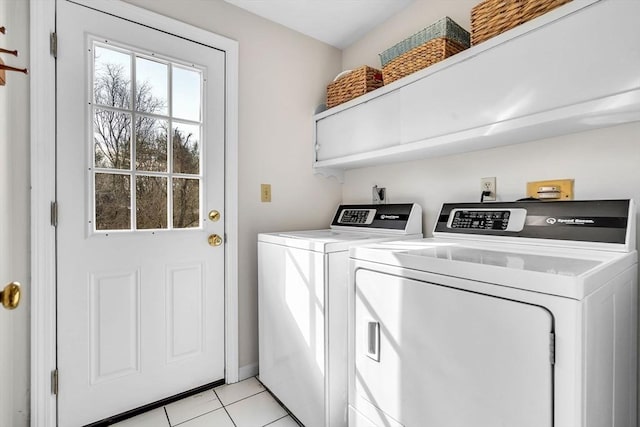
{"points": [[488, 184]]}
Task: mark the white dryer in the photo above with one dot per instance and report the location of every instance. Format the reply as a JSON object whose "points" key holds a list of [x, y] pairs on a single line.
{"points": [[518, 314], [302, 304]]}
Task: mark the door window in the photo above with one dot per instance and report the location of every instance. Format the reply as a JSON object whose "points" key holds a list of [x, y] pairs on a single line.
{"points": [[146, 168]]}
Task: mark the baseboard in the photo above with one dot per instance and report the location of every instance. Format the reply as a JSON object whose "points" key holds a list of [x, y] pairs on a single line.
{"points": [[247, 371]]}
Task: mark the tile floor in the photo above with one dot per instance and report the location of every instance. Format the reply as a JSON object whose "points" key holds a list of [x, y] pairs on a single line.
{"points": [[243, 404]]}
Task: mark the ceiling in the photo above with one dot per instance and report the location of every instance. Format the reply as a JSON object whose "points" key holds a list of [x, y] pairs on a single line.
{"points": [[335, 22]]}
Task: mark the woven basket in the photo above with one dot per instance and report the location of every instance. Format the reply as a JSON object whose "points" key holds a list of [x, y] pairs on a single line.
{"points": [[492, 17], [444, 27], [434, 43], [420, 57], [356, 83]]}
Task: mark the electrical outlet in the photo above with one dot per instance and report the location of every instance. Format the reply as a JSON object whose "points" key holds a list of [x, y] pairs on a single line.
{"points": [[378, 195], [488, 184], [265, 193]]}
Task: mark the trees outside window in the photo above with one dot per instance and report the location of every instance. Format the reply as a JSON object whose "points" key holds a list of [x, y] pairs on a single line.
{"points": [[135, 167]]}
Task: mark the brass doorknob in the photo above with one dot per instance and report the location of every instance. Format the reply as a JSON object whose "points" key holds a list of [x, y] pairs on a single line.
{"points": [[10, 296], [214, 216], [215, 240]]}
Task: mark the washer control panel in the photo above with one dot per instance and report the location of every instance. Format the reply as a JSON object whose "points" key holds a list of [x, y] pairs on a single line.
{"points": [[487, 219], [399, 218], [356, 216]]}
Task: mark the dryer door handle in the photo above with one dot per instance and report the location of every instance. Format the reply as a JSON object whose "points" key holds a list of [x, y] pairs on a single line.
{"points": [[373, 340]]}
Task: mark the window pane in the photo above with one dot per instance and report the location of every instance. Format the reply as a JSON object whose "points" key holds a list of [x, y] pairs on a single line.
{"points": [[186, 94], [151, 144], [112, 137], [112, 78], [151, 202], [186, 203], [186, 148], [113, 198], [151, 86]]}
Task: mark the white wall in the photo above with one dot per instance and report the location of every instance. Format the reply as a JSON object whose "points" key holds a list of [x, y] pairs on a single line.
{"points": [[283, 76], [604, 164], [14, 216]]}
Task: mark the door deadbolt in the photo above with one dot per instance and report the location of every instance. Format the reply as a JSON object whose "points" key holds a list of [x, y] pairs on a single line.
{"points": [[10, 295], [214, 215], [215, 240]]}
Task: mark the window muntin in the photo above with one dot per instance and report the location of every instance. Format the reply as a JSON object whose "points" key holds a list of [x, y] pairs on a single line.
{"points": [[146, 161]]}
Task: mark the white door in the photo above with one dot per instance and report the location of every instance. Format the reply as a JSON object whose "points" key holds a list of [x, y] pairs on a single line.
{"points": [[13, 322], [11, 380], [140, 164], [430, 355]]}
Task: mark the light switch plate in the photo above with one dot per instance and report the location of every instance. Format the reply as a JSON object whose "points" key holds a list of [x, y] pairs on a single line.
{"points": [[265, 193]]}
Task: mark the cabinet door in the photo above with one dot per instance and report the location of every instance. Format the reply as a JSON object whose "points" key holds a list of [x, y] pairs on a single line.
{"points": [[365, 127], [430, 355], [542, 71]]}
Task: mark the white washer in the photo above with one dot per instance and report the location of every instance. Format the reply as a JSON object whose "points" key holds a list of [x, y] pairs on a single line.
{"points": [[515, 314], [302, 302]]}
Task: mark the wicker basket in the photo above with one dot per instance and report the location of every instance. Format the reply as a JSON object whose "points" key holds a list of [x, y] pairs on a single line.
{"points": [[492, 17], [351, 85], [420, 57], [434, 43]]}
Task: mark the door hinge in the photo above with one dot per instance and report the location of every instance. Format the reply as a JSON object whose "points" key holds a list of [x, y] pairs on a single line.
{"points": [[54, 214], [53, 44], [54, 382], [552, 348]]}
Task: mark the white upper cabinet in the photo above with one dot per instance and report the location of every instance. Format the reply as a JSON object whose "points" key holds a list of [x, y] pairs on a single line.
{"points": [[378, 127], [574, 69]]}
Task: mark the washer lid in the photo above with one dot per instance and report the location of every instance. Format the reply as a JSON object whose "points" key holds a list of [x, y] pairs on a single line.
{"points": [[326, 236], [327, 240]]}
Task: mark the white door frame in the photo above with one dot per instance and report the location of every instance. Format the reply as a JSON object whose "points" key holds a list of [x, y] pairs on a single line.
{"points": [[43, 190]]}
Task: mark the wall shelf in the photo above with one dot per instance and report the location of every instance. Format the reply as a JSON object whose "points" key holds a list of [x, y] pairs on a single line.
{"points": [[573, 69]]}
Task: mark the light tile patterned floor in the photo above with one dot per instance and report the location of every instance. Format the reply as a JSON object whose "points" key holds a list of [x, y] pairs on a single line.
{"points": [[243, 404]]}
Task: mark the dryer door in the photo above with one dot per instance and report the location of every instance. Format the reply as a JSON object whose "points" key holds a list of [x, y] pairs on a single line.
{"points": [[427, 354]]}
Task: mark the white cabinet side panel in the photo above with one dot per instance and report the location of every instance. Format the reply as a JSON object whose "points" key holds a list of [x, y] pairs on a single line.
{"points": [[611, 353], [337, 306], [291, 328]]}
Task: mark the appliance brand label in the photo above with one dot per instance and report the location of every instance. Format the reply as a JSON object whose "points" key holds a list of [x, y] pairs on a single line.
{"points": [[389, 216], [571, 221]]}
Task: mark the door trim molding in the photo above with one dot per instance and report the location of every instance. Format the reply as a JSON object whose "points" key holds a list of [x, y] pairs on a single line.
{"points": [[43, 234], [43, 192]]}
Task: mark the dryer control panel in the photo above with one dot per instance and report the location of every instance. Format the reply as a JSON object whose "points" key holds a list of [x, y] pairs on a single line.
{"points": [[487, 219], [584, 221]]}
